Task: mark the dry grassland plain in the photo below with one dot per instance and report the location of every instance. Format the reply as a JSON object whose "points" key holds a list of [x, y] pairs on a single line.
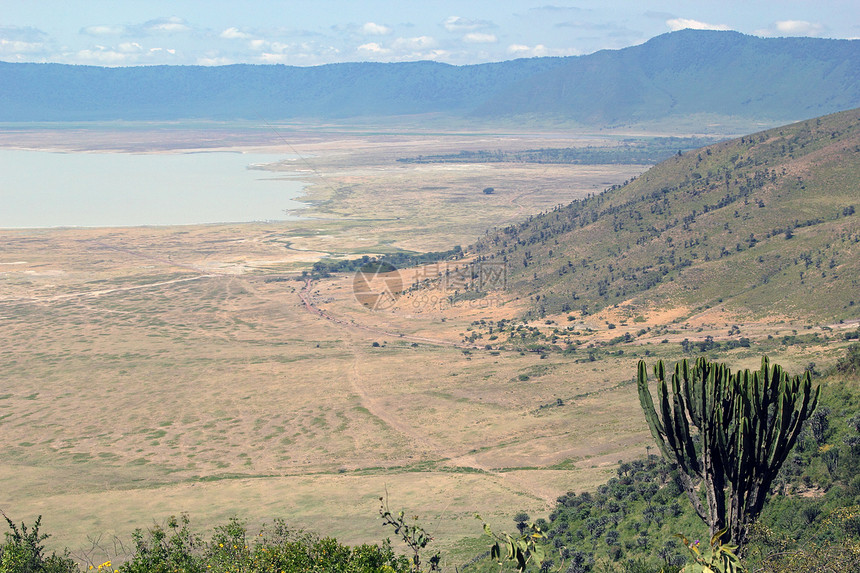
{"points": [[156, 370]]}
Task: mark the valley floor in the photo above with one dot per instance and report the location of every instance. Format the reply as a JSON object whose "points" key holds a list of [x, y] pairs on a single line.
{"points": [[156, 370]]}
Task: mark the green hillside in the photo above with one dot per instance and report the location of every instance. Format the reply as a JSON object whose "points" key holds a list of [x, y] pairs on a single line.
{"points": [[765, 224]]}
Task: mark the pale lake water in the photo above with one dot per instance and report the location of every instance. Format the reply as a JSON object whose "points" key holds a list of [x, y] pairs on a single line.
{"points": [[46, 189]]}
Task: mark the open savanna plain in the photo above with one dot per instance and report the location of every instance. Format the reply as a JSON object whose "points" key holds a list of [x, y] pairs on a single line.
{"points": [[156, 370]]}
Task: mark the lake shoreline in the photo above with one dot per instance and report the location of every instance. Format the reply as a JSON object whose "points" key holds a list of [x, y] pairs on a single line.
{"points": [[48, 188]]}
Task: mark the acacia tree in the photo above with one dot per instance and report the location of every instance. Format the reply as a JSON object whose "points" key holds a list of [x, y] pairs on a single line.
{"points": [[728, 434]]}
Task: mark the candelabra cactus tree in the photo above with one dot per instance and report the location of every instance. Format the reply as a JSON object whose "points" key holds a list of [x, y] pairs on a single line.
{"points": [[728, 434]]}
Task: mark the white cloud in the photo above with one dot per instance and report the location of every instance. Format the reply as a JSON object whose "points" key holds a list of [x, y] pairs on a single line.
{"points": [[102, 31], [373, 29], [404, 50], [22, 34], [676, 24], [170, 25], [417, 43], [103, 56], [373, 48], [123, 54], [214, 61], [22, 43], [438, 55], [274, 52], [538, 51], [279, 47], [798, 28], [523, 51], [14, 47], [161, 26], [480, 38], [459, 24], [234, 34], [270, 49], [130, 48], [553, 8], [305, 53], [270, 58], [310, 53], [792, 28]]}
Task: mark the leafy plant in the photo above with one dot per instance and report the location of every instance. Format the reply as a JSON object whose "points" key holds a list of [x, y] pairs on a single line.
{"points": [[850, 363], [414, 536], [717, 558], [170, 550], [525, 548], [23, 551], [745, 425], [229, 550]]}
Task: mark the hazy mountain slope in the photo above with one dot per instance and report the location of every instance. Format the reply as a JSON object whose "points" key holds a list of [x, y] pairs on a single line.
{"points": [[768, 223], [674, 75], [691, 72], [54, 92]]}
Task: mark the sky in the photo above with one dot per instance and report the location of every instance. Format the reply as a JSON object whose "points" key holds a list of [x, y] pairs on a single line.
{"points": [[314, 32]]}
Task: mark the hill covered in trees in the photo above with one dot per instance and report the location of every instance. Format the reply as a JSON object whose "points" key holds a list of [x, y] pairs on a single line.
{"points": [[765, 223], [690, 73]]}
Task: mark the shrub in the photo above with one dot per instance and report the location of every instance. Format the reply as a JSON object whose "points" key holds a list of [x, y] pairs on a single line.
{"points": [[161, 550], [850, 363], [23, 551]]}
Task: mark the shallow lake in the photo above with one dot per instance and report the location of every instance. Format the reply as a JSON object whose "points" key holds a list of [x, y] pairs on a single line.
{"points": [[45, 189]]}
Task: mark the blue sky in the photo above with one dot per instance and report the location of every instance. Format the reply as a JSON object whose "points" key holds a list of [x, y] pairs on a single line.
{"points": [[301, 32]]}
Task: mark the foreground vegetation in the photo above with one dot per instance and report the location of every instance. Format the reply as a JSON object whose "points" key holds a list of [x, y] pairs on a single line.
{"points": [[174, 548], [811, 521]]}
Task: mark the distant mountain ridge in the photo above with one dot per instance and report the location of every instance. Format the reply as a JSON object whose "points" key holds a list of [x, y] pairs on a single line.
{"points": [[692, 72], [674, 75]]}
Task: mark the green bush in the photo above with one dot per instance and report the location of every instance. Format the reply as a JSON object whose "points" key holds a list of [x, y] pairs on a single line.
{"points": [[23, 552], [160, 550], [173, 548], [850, 363]]}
